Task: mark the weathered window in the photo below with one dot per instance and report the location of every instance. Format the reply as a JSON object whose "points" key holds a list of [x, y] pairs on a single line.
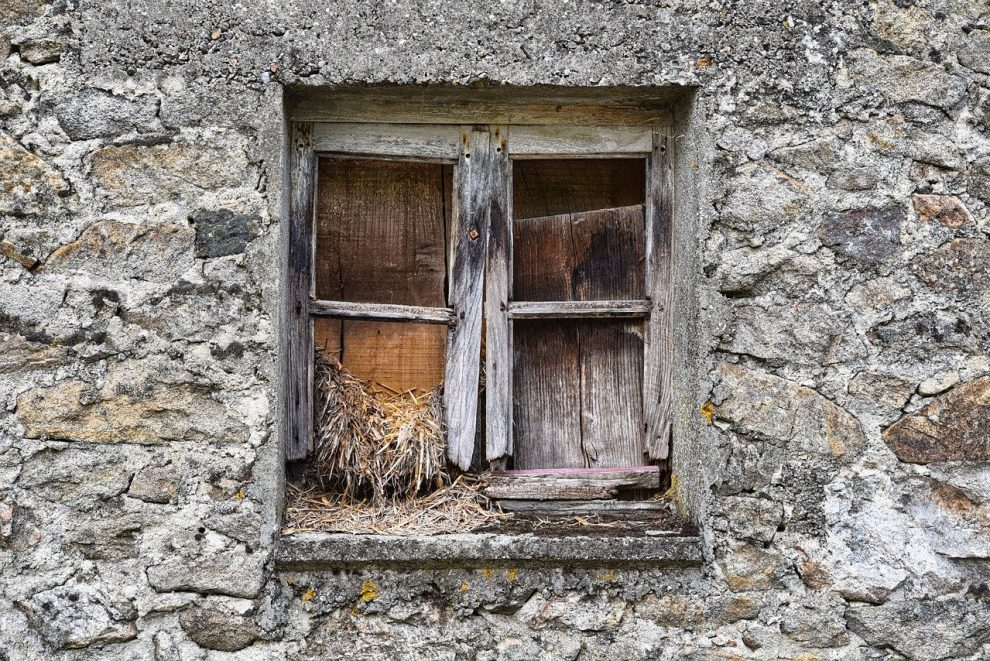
{"points": [[536, 256]]}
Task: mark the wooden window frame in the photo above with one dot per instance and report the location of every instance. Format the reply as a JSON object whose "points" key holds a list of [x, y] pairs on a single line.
{"points": [[479, 266]]}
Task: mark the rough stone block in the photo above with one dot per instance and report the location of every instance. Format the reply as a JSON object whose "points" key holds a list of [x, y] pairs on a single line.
{"points": [[79, 615], [225, 625], [232, 572], [954, 427], [948, 210], [867, 236], [120, 251], [959, 266], [222, 232], [134, 175], [29, 184], [929, 629], [974, 52], [94, 113], [42, 51], [746, 567]]}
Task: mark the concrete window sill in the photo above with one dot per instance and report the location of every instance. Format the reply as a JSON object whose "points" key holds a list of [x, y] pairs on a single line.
{"points": [[321, 551]]}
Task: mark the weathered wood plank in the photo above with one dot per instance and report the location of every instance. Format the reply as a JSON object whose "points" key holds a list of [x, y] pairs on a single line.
{"points": [[299, 353], [498, 329], [380, 238], [594, 255], [381, 312], [648, 474], [585, 507], [580, 140], [658, 346], [611, 392], [578, 309], [470, 242], [419, 141], [576, 485], [554, 186], [435, 105], [546, 395]]}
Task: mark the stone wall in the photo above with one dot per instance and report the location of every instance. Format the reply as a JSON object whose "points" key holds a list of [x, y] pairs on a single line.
{"points": [[840, 468]]}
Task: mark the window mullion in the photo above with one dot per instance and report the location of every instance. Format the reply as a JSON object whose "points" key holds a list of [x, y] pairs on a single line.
{"points": [[470, 240], [658, 348], [498, 328]]}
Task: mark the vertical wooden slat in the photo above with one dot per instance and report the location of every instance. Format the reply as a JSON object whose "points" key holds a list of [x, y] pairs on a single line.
{"points": [[470, 241], [498, 329], [658, 342], [299, 358]]}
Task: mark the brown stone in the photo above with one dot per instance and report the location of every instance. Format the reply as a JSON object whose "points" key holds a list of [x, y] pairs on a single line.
{"points": [[948, 210], [115, 250], [135, 174], [28, 185], [953, 427], [764, 405], [867, 236], [747, 567], [959, 265], [130, 407]]}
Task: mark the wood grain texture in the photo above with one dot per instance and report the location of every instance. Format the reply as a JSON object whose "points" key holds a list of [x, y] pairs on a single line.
{"points": [[658, 350], [593, 255], [380, 239], [498, 330], [578, 309], [550, 187], [546, 396], [396, 140], [613, 508], [469, 240], [381, 312], [576, 485], [299, 355], [580, 141]]}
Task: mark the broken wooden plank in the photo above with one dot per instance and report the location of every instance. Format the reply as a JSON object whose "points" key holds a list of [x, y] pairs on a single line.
{"points": [[575, 485], [384, 140], [498, 328], [658, 341], [578, 309], [554, 186], [584, 256], [469, 242], [299, 351], [646, 474], [615, 508], [382, 312]]}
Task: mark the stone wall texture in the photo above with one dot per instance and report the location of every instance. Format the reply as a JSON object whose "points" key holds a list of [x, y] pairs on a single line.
{"points": [[843, 289]]}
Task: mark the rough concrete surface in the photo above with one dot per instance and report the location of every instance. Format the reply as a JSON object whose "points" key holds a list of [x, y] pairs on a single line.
{"points": [[832, 267]]}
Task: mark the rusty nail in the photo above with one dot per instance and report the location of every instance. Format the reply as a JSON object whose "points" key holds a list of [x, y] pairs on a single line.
{"points": [[473, 234]]}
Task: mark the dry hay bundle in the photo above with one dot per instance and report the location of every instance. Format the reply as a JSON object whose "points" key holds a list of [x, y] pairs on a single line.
{"points": [[376, 446]]}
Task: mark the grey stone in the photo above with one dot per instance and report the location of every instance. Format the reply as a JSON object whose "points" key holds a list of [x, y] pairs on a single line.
{"points": [[222, 232], [867, 236], [978, 179], [924, 629], [746, 567], [30, 184], [754, 519], [98, 114], [852, 179], [791, 332], [218, 624], [233, 572], [975, 51], [814, 627], [155, 484], [41, 51], [112, 537], [902, 78], [79, 615]]}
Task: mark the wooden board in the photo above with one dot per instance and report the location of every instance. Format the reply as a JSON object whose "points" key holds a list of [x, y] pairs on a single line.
{"points": [[612, 508], [579, 141], [549, 187], [498, 329], [578, 309], [299, 353], [658, 352], [380, 235], [594, 255], [577, 394], [380, 238], [573, 485], [396, 140], [469, 239]]}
